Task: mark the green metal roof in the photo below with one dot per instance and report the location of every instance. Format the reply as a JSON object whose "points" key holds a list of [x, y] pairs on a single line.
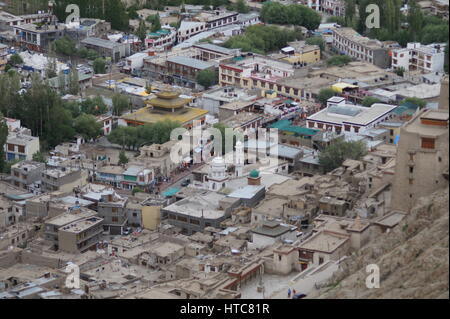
{"points": [[171, 191], [285, 125]]}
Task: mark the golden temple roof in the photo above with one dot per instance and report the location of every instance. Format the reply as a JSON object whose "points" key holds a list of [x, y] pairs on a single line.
{"points": [[168, 100]]}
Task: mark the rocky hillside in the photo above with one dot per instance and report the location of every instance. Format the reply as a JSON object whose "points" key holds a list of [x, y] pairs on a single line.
{"points": [[413, 259]]}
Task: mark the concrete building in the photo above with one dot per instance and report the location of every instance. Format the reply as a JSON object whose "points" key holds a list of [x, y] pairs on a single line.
{"points": [[212, 100], [161, 39], [271, 232], [422, 158], [26, 173], [194, 213], [322, 247], [21, 145], [53, 228], [106, 48], [112, 208], [81, 235], [63, 179], [36, 37], [3, 54], [184, 70], [300, 54], [341, 117], [418, 57], [348, 41]]}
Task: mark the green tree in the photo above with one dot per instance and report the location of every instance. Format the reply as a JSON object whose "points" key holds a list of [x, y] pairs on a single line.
{"points": [[39, 157], [369, 100], [339, 60], [416, 101], [141, 31], [400, 71], [87, 126], [334, 155], [136, 190], [316, 41], [15, 59], [415, 20], [156, 24], [120, 103], [99, 66], [324, 95], [65, 46], [94, 106], [207, 78], [241, 6], [123, 159], [3, 138], [74, 84]]}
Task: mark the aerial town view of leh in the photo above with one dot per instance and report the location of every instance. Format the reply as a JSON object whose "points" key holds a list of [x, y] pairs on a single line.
{"points": [[224, 149]]}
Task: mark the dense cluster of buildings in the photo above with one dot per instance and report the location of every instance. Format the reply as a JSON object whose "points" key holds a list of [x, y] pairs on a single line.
{"points": [[195, 216]]}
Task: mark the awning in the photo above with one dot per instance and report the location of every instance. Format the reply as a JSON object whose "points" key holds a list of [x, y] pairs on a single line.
{"points": [[340, 87]]}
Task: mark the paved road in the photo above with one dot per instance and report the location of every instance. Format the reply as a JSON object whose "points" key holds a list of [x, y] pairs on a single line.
{"points": [[306, 285]]}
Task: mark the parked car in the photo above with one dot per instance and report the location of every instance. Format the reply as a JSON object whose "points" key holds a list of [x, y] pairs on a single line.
{"points": [[299, 296], [127, 231], [186, 182]]}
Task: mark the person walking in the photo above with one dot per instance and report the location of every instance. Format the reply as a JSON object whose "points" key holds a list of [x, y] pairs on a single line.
{"points": [[293, 292], [289, 292]]}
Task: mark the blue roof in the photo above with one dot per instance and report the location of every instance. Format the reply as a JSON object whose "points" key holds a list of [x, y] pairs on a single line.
{"points": [[171, 191]]}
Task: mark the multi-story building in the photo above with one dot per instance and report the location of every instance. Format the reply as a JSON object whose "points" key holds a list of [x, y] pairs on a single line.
{"points": [[348, 41], [81, 235], [37, 37], [417, 57], [184, 70], [188, 29], [63, 179], [26, 173], [20, 145], [334, 7], [8, 20], [112, 208], [107, 48], [164, 38], [422, 158], [254, 71], [3, 54], [341, 117], [205, 21], [300, 54], [53, 228]]}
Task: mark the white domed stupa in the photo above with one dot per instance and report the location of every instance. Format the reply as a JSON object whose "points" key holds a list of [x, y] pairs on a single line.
{"points": [[217, 176]]}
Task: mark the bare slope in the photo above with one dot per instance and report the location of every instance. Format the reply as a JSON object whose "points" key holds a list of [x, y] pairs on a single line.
{"points": [[413, 258]]}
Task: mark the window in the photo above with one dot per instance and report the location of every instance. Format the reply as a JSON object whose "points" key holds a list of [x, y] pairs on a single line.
{"points": [[11, 147], [428, 143], [115, 219], [21, 149], [411, 169]]}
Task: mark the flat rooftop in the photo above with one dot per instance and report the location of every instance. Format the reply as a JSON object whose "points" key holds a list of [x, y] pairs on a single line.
{"points": [[190, 62], [67, 218], [205, 204], [82, 225], [324, 242], [107, 44], [352, 114]]}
